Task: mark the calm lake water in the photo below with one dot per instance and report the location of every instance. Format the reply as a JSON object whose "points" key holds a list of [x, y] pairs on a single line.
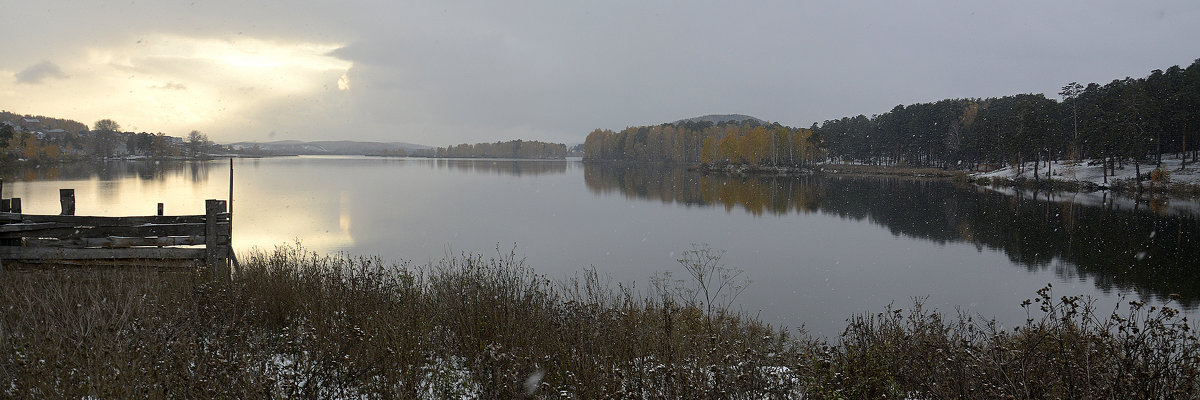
{"points": [[816, 249]]}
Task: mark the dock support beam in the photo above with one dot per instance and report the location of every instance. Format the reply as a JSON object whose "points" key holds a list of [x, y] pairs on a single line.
{"points": [[214, 257], [66, 197]]}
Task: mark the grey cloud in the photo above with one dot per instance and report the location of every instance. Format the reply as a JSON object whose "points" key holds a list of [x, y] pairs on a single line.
{"points": [[450, 72], [40, 72], [170, 85]]}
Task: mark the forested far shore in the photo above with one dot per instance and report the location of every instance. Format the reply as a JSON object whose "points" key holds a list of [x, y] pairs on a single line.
{"points": [[1123, 121], [704, 142], [1130, 120]]}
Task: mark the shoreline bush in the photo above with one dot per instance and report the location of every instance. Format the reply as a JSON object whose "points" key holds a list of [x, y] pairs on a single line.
{"points": [[295, 324]]}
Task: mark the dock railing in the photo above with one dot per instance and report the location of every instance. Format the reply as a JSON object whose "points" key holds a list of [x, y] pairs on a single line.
{"points": [[29, 238]]}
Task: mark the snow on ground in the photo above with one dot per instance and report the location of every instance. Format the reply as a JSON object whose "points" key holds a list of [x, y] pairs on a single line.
{"points": [[1105, 199], [1092, 171]]}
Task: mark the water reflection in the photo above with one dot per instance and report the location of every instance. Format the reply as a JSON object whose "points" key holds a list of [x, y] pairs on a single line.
{"points": [[1119, 248], [500, 167], [196, 172]]}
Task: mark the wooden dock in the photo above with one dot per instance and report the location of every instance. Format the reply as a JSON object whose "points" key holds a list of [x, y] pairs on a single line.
{"points": [[157, 240]]}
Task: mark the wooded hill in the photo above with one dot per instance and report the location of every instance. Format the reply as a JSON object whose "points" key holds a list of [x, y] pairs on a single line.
{"points": [[46, 139], [326, 147], [747, 141], [43, 122], [719, 118]]}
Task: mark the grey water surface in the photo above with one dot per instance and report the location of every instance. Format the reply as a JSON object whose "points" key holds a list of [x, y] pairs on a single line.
{"points": [[816, 248]]}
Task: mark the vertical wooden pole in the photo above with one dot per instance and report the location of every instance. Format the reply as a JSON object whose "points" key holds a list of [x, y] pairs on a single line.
{"points": [[3, 208], [231, 192], [66, 197], [5, 204], [211, 209], [160, 209], [15, 205], [232, 257]]}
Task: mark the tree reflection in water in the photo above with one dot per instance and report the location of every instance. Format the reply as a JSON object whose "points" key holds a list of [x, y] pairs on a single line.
{"points": [[1122, 249]]}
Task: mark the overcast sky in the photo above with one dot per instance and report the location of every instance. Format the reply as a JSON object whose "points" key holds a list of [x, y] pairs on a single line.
{"points": [[441, 73]]}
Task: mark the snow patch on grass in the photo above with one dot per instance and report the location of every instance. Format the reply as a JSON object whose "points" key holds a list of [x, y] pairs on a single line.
{"points": [[1092, 171]]}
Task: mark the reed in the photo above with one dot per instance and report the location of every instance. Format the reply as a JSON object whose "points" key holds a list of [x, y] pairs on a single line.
{"points": [[295, 324]]}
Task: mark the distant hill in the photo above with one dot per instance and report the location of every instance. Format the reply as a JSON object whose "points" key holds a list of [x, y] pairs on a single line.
{"points": [[40, 123], [329, 147], [719, 118]]}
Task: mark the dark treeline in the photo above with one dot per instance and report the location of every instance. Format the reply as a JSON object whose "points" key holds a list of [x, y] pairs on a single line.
{"points": [[510, 149], [1119, 248], [744, 142], [1125, 120]]}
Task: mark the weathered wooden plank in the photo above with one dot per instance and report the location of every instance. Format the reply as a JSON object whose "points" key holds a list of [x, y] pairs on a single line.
{"points": [[116, 221], [27, 227], [67, 231], [52, 253], [117, 242], [6, 217], [177, 265]]}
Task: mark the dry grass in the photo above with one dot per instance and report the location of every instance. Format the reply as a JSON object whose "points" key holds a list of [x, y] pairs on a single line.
{"points": [[1066, 349], [293, 324], [296, 324]]}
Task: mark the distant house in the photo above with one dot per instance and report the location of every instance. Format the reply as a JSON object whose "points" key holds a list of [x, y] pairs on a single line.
{"points": [[55, 134], [16, 127], [31, 124]]}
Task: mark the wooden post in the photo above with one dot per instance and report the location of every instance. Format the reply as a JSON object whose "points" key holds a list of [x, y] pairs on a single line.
{"points": [[231, 204], [5, 205], [230, 192], [67, 198], [211, 209], [232, 257], [160, 209], [15, 205]]}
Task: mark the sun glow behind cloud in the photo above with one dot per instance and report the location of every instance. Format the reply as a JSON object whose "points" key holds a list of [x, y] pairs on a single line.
{"points": [[344, 82], [175, 84]]}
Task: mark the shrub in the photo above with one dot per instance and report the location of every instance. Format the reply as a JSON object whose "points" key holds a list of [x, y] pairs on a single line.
{"points": [[1160, 176], [293, 324]]}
